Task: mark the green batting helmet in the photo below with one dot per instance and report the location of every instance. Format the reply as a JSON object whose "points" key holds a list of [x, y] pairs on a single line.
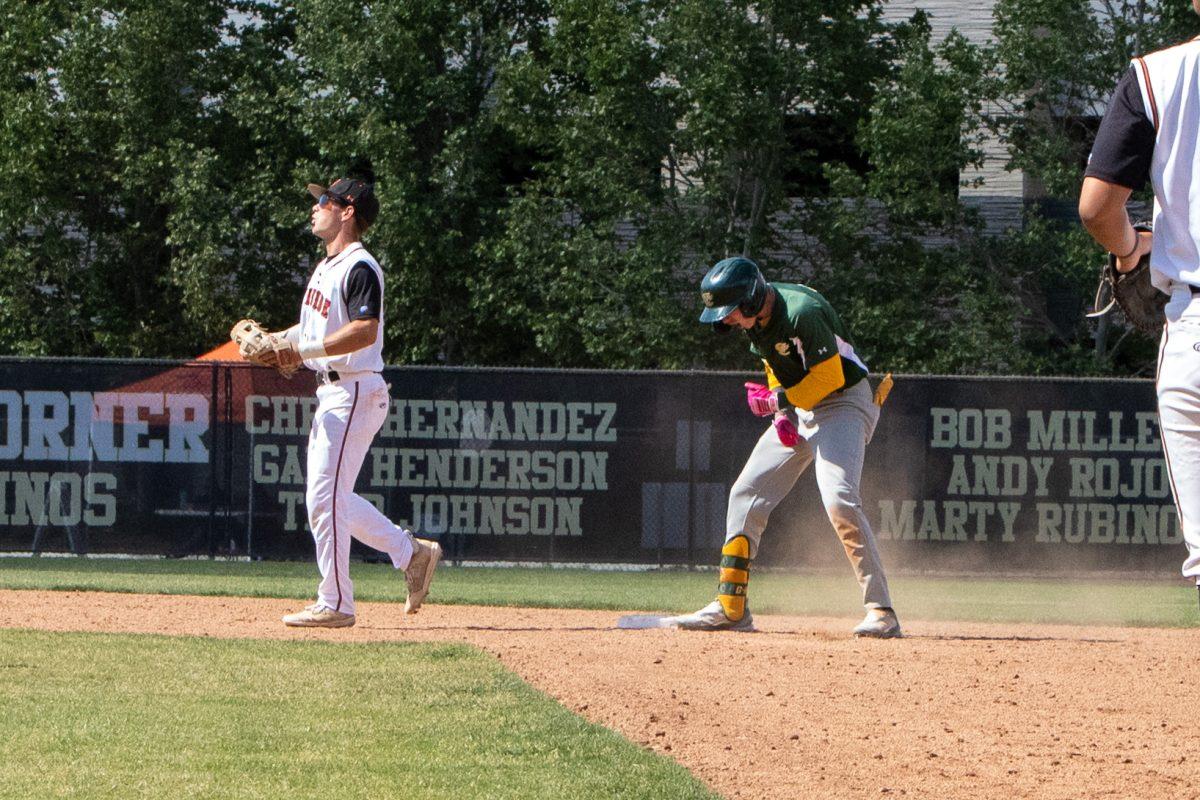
{"points": [[732, 283]]}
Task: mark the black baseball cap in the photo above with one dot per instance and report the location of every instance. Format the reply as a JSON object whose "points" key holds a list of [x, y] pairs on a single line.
{"points": [[358, 192]]}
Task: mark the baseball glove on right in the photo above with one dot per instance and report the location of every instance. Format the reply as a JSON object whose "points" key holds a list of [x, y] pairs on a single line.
{"points": [[1141, 302], [260, 347]]}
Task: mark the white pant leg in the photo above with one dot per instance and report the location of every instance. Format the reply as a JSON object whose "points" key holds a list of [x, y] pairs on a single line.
{"points": [[369, 525], [1178, 388], [768, 475], [845, 423], [347, 419]]}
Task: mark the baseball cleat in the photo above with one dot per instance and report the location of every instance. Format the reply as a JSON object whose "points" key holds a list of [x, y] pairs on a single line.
{"points": [[880, 623], [711, 618], [419, 575], [318, 616]]}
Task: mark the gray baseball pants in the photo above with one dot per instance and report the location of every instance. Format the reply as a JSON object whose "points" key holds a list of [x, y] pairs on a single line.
{"points": [[844, 424]]}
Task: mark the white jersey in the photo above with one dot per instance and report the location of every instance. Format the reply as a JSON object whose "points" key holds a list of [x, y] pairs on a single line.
{"points": [[324, 311], [1170, 84]]}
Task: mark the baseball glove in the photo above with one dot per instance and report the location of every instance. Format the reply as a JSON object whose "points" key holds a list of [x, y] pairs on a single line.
{"points": [[260, 347], [1141, 302]]}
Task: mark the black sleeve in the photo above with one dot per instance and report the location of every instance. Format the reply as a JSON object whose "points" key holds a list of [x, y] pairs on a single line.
{"points": [[1125, 142], [363, 292]]}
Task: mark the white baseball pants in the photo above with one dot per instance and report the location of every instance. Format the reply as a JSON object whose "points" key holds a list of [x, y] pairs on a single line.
{"points": [[845, 424], [349, 414], [1178, 387]]}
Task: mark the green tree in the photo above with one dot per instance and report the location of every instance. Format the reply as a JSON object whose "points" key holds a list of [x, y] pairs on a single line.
{"points": [[555, 175], [925, 126], [97, 101], [410, 85], [1062, 60], [765, 93], [238, 208], [748, 75], [586, 263], [925, 287]]}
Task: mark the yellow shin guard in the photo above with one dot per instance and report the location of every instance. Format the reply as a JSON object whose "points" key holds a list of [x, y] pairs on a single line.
{"points": [[735, 574]]}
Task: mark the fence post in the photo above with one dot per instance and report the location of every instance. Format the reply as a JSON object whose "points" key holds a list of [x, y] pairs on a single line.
{"points": [[228, 416], [212, 460], [691, 493]]}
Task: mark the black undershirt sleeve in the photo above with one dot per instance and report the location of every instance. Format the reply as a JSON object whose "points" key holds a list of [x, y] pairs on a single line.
{"points": [[1125, 142], [363, 292]]}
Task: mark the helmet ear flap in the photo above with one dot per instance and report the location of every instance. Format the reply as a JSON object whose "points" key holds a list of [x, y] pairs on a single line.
{"points": [[755, 300]]}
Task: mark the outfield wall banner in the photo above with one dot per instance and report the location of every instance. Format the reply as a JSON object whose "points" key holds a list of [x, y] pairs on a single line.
{"points": [[973, 474]]}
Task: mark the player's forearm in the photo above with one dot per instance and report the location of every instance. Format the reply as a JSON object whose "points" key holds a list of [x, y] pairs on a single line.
{"points": [[822, 380], [1102, 211], [354, 335]]}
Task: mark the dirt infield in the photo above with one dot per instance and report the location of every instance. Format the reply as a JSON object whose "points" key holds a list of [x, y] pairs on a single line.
{"points": [[799, 709]]}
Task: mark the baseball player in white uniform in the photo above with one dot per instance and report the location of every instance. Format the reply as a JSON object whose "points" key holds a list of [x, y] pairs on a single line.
{"points": [[1150, 132], [339, 337], [823, 413]]}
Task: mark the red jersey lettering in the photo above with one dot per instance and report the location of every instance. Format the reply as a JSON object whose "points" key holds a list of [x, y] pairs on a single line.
{"points": [[316, 301]]}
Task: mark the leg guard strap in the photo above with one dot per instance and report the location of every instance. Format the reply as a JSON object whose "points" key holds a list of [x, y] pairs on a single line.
{"points": [[735, 575]]}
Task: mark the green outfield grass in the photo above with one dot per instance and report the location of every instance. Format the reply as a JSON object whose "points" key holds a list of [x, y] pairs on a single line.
{"points": [[115, 716], [1137, 603]]}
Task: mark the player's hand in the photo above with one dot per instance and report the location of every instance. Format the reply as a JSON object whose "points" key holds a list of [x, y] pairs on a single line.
{"points": [[786, 430], [1145, 239], [762, 401], [287, 357]]}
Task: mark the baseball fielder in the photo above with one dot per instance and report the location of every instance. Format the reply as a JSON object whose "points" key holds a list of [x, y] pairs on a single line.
{"points": [[339, 337], [823, 413], [1150, 132]]}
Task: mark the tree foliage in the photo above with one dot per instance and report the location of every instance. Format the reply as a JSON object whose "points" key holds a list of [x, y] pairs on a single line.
{"points": [[1061, 60], [555, 175], [926, 126], [95, 113], [585, 260]]}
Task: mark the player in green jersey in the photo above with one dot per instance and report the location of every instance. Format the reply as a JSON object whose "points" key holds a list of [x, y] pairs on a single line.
{"points": [[823, 413]]}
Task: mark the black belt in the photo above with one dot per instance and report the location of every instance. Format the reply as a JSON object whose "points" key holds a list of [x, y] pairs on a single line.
{"points": [[332, 376]]}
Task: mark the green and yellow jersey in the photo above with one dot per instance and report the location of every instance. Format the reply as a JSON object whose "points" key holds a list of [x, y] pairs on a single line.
{"points": [[805, 347]]}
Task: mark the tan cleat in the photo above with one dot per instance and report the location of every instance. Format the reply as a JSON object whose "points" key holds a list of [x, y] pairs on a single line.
{"points": [[318, 616], [419, 575], [879, 623]]}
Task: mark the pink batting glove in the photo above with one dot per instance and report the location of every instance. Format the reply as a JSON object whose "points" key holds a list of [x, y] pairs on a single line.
{"points": [[785, 429], [762, 401]]}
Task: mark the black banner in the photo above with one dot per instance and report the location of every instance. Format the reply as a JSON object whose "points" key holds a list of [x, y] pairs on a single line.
{"points": [[1023, 475], [981, 475]]}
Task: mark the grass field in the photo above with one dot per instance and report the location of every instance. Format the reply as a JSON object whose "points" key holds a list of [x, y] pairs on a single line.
{"points": [[89, 715], [1093, 602], [106, 716]]}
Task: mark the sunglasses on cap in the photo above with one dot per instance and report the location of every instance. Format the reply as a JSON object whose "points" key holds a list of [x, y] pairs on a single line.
{"points": [[358, 193], [326, 198]]}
